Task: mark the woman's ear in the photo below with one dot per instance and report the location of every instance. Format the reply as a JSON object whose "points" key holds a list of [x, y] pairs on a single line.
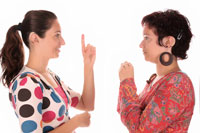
{"points": [[168, 41], [33, 38]]}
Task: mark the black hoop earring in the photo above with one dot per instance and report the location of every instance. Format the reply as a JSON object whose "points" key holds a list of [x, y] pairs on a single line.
{"points": [[166, 63]]}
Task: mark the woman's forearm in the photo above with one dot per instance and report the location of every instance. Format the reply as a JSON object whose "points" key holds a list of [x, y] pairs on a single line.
{"points": [[88, 94]]}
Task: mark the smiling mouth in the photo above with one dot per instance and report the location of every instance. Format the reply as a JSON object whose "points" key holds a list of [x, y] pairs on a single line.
{"points": [[58, 50]]}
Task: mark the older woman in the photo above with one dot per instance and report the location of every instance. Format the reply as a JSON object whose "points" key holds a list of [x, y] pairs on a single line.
{"points": [[166, 104]]}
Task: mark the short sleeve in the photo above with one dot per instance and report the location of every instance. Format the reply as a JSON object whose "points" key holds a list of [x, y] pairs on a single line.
{"points": [[75, 96], [27, 95]]}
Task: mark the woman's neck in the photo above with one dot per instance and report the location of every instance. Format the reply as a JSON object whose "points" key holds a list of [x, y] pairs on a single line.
{"points": [[38, 63], [163, 70]]}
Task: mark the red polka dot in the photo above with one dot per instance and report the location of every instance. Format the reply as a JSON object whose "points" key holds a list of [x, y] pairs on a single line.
{"points": [[38, 93], [74, 101], [23, 81], [48, 116], [61, 118], [13, 102]]}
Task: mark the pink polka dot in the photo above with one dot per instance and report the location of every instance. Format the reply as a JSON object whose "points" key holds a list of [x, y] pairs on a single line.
{"points": [[61, 118], [48, 116], [38, 92], [13, 103], [23, 81], [74, 101]]}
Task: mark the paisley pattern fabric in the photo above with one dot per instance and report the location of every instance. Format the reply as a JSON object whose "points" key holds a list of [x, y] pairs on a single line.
{"points": [[166, 106], [38, 106]]}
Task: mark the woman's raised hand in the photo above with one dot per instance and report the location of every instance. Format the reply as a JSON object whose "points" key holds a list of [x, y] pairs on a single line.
{"points": [[126, 71], [89, 52]]}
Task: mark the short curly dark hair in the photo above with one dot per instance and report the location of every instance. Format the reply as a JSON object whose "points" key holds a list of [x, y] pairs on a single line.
{"points": [[171, 23]]}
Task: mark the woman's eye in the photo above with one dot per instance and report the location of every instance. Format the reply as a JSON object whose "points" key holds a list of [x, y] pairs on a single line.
{"points": [[57, 35], [146, 38]]}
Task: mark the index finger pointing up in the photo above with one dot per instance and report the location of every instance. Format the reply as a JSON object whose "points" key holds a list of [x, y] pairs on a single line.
{"points": [[83, 42]]}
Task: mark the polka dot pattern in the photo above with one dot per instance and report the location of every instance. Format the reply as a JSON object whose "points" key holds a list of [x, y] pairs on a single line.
{"points": [[39, 108], [24, 95], [25, 74], [38, 92], [13, 102], [74, 101], [60, 118], [41, 86], [38, 104], [14, 86], [45, 85], [41, 123], [46, 103], [15, 99], [47, 129], [28, 126], [48, 116], [61, 110], [55, 97], [26, 110], [34, 80], [23, 81]]}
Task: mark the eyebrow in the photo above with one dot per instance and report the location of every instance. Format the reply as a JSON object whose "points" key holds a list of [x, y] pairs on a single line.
{"points": [[58, 31], [146, 34]]}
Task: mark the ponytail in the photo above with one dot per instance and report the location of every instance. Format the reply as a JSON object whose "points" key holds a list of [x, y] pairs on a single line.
{"points": [[11, 56], [12, 53]]}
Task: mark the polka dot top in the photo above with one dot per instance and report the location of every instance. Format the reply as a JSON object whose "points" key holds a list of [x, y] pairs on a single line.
{"points": [[38, 106]]}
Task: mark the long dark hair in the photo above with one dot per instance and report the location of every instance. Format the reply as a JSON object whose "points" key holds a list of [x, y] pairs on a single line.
{"points": [[12, 53]]}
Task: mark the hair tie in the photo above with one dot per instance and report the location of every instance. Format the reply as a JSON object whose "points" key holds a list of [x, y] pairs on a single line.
{"points": [[19, 26]]}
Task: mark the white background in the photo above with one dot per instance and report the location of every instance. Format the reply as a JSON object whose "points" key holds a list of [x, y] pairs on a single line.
{"points": [[114, 28]]}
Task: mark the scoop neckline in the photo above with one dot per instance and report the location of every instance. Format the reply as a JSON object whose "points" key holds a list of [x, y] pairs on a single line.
{"points": [[26, 68]]}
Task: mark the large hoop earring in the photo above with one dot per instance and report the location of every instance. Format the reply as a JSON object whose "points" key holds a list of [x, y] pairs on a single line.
{"points": [[166, 63]]}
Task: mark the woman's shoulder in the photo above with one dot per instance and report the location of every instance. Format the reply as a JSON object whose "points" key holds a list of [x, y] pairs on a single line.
{"points": [[179, 75], [179, 80], [25, 76]]}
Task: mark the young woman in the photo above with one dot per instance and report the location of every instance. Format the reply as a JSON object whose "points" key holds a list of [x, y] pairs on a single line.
{"points": [[40, 99], [166, 104]]}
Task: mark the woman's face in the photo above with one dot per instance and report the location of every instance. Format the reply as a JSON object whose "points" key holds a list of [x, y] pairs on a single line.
{"points": [[52, 42], [151, 48]]}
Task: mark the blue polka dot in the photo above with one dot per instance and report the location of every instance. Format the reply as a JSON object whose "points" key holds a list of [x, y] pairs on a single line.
{"points": [[61, 110], [29, 126], [15, 98], [39, 108], [41, 86], [55, 97], [14, 87], [47, 129], [25, 73]]}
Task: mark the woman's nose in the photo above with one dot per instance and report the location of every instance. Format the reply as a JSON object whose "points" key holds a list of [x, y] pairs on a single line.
{"points": [[141, 45]]}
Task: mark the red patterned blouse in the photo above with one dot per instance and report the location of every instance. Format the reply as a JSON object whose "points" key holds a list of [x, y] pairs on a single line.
{"points": [[166, 106]]}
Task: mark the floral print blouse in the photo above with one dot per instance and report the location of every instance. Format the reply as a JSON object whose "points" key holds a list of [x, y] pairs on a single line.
{"points": [[166, 106], [38, 106]]}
